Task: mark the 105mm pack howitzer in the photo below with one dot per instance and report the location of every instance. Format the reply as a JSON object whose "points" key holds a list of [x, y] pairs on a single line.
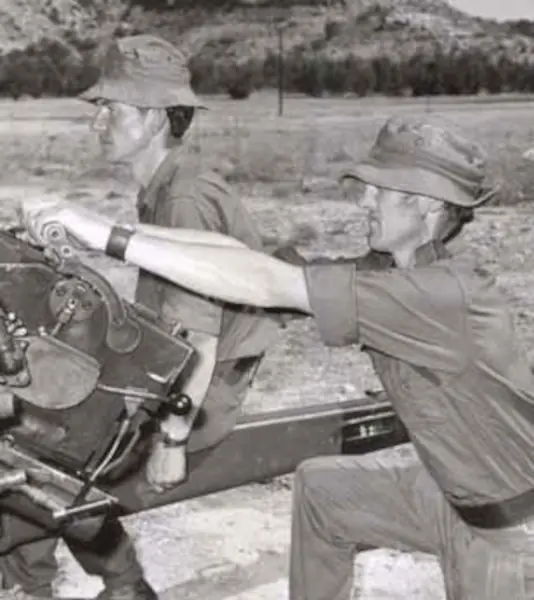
{"points": [[85, 379]]}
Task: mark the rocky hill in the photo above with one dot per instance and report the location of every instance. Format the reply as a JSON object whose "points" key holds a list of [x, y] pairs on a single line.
{"points": [[328, 45], [368, 25], [25, 22]]}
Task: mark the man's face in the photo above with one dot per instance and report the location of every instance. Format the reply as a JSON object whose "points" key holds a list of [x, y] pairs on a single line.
{"points": [[122, 129], [394, 218]]}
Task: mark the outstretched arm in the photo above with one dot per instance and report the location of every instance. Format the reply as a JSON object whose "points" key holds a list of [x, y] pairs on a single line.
{"points": [[417, 315], [188, 236], [229, 273], [210, 264]]}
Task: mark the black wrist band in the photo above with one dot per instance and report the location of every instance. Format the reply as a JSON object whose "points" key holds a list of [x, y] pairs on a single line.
{"points": [[118, 241]]}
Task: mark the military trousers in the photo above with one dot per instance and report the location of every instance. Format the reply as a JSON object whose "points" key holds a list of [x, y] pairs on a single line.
{"points": [[347, 504], [33, 565]]}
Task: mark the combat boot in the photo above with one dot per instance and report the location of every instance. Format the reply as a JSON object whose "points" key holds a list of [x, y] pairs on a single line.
{"points": [[140, 590]]}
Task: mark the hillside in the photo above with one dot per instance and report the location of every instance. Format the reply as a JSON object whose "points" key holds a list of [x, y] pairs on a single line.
{"points": [[385, 27], [367, 26], [23, 22], [321, 39], [360, 46]]}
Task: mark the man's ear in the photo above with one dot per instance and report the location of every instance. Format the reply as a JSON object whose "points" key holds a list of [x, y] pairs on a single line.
{"points": [[429, 206]]}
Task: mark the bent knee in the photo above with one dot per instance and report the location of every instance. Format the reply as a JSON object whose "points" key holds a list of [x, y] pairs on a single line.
{"points": [[309, 468], [313, 474]]}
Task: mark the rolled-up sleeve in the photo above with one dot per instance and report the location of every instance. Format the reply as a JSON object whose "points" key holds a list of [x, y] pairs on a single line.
{"points": [[332, 290], [417, 315]]}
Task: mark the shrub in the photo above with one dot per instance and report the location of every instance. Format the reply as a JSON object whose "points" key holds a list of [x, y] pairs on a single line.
{"points": [[333, 28], [53, 67], [242, 82], [49, 67], [239, 89]]}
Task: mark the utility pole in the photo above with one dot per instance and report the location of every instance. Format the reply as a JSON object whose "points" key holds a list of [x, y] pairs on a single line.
{"points": [[280, 65]]}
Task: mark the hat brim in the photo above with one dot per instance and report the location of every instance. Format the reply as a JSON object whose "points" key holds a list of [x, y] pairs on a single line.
{"points": [[145, 94], [412, 180]]}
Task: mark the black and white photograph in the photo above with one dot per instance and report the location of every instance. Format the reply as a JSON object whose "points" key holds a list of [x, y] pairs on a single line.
{"points": [[267, 300]]}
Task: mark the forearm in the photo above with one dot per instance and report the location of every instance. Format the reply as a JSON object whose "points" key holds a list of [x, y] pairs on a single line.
{"points": [[196, 387], [94, 230], [188, 236], [232, 274]]}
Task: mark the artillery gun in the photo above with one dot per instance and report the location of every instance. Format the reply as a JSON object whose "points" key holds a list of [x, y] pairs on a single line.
{"points": [[85, 378]]}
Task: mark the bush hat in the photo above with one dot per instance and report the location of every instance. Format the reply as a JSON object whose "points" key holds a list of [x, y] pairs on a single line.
{"points": [[144, 71], [419, 156]]}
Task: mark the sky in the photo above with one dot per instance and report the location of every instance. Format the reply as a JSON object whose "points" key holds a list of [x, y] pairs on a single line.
{"points": [[497, 9]]}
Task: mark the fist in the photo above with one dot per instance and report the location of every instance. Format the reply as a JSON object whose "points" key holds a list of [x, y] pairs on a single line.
{"points": [[37, 214], [166, 466], [50, 221]]}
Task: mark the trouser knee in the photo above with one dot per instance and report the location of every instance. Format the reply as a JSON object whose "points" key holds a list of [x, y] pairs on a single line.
{"points": [[311, 474], [309, 486], [302, 476], [319, 504]]}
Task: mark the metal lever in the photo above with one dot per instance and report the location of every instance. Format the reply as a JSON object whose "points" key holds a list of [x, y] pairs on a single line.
{"points": [[82, 510]]}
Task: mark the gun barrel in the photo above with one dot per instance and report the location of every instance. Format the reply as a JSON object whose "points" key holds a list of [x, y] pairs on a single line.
{"points": [[267, 445]]}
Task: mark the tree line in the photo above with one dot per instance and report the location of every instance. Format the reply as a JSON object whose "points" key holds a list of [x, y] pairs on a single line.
{"points": [[55, 68], [316, 73]]}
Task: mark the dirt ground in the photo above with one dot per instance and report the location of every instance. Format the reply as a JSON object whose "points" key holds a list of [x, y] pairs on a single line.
{"points": [[234, 544]]}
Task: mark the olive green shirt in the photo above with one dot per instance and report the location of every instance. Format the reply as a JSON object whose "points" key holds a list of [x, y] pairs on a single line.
{"points": [[441, 340]]}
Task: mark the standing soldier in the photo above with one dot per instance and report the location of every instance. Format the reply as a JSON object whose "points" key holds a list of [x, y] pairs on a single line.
{"points": [[145, 106], [441, 339]]}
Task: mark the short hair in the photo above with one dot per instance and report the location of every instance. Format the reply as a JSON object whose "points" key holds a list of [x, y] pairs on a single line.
{"points": [[180, 119], [456, 218]]}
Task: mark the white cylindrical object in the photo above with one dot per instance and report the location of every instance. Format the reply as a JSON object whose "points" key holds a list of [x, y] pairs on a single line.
{"points": [[12, 480], [7, 404]]}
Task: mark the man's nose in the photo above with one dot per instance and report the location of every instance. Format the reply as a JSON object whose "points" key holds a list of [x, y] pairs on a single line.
{"points": [[368, 198], [101, 120]]}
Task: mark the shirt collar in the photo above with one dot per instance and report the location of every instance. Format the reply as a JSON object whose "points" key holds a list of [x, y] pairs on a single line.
{"points": [[163, 174], [425, 255]]}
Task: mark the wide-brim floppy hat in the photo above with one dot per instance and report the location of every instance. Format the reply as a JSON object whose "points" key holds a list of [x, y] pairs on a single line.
{"points": [[419, 156], [144, 71]]}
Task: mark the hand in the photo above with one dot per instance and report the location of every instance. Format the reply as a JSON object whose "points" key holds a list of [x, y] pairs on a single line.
{"points": [[36, 213], [166, 466], [78, 226]]}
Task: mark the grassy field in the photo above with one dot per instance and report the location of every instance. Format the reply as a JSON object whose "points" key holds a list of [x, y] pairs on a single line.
{"points": [[285, 168]]}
